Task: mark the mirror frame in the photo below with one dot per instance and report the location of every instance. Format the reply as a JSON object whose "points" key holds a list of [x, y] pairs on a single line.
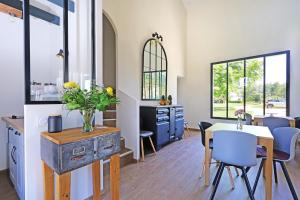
{"points": [[143, 72]]}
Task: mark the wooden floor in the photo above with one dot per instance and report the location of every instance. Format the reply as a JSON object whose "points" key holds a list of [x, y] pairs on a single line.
{"points": [[173, 174], [7, 191]]}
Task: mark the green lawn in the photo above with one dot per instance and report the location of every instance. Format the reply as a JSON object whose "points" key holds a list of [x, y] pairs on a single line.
{"points": [[219, 109]]}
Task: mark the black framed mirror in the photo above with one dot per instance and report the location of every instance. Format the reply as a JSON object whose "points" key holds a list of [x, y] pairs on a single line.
{"points": [[154, 69], [51, 47]]}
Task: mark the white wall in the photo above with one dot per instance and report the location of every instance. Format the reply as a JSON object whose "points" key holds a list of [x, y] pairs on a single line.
{"points": [[11, 76], [81, 180], [221, 30], [81, 185], [135, 21]]}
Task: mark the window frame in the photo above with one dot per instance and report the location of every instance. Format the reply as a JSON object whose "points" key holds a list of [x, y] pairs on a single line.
{"points": [[263, 56]]}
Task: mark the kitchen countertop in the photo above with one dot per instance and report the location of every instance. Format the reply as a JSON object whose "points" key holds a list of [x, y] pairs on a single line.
{"points": [[14, 123]]}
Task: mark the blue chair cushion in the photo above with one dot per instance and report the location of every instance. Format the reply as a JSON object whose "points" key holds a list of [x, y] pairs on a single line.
{"points": [[277, 155], [146, 133]]}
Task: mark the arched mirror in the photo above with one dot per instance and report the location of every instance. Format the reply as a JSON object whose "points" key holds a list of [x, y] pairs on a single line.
{"points": [[155, 69]]}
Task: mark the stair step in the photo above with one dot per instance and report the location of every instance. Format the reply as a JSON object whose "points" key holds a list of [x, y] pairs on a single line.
{"points": [[112, 107], [111, 111], [126, 158], [110, 123], [109, 115], [122, 145]]}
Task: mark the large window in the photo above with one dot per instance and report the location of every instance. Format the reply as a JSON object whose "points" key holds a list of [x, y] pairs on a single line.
{"points": [[257, 84]]}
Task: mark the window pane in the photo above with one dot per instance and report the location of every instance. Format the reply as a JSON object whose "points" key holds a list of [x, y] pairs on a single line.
{"points": [[163, 84], [254, 86], [46, 41], [276, 85], [146, 90], [235, 87], [219, 90], [146, 62]]}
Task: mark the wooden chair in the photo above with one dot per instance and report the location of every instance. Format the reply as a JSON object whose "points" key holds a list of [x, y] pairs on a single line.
{"points": [[186, 127], [146, 134]]}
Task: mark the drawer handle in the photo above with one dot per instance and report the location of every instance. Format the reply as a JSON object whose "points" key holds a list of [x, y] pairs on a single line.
{"points": [[79, 151], [109, 147], [77, 157]]}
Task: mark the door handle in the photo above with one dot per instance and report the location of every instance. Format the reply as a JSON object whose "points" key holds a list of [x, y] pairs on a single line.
{"points": [[12, 154]]}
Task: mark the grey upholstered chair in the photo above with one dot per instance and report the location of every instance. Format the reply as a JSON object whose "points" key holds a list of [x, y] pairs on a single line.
{"points": [[248, 118], [203, 126], [275, 122], [234, 148], [284, 150]]}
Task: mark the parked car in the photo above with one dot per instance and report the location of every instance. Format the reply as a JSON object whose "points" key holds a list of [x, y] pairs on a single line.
{"points": [[218, 101], [275, 103]]}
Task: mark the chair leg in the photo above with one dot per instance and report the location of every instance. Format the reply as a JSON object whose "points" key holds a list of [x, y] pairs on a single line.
{"points": [[247, 170], [142, 147], [236, 171], [152, 145], [230, 177], [217, 175], [257, 176], [218, 181], [275, 171], [248, 184], [288, 179], [202, 168]]}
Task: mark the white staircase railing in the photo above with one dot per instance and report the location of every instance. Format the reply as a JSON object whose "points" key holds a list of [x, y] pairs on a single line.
{"points": [[128, 119]]}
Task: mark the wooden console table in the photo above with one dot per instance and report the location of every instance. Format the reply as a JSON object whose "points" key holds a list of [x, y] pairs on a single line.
{"points": [[71, 149]]}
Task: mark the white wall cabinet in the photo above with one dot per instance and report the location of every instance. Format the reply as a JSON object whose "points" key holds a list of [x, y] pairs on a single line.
{"points": [[16, 160]]}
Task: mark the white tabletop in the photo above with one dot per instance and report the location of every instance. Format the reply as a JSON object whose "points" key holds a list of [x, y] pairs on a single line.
{"points": [[259, 131]]}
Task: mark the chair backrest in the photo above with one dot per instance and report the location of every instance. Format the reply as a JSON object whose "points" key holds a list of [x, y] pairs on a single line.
{"points": [[275, 122], [248, 118], [203, 126], [297, 119], [235, 148], [285, 139]]}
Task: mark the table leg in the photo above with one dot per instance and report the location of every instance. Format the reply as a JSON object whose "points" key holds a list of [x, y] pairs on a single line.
{"points": [[96, 180], [63, 183], [207, 159], [269, 169], [293, 123], [115, 177], [48, 182]]}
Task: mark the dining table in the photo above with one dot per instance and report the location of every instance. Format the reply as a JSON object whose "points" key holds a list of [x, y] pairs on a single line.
{"points": [[257, 120], [264, 138]]}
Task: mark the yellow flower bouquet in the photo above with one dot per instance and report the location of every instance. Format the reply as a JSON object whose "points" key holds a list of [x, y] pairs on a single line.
{"points": [[87, 102]]}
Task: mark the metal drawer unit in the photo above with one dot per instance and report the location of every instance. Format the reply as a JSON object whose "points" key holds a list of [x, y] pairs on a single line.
{"points": [[71, 149], [70, 156]]}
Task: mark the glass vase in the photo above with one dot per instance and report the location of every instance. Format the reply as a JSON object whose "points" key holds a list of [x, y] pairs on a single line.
{"points": [[87, 119], [239, 124]]}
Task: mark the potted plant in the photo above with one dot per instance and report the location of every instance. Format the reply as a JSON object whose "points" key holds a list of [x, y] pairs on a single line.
{"points": [[88, 101]]}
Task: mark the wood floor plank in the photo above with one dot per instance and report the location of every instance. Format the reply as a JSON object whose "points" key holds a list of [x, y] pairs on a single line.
{"points": [[173, 174]]}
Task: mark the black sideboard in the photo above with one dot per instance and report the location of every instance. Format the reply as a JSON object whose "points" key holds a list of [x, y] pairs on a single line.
{"points": [[166, 122]]}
